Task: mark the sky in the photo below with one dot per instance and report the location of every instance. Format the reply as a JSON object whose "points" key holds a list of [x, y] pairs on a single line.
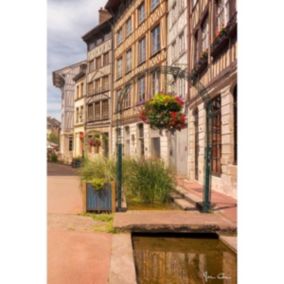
{"points": [[68, 21]]}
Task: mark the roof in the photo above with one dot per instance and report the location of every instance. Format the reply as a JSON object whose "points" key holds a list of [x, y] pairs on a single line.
{"points": [[58, 79], [112, 5], [96, 30]]}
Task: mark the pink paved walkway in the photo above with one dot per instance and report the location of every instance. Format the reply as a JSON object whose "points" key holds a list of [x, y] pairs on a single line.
{"points": [[76, 254], [223, 204]]}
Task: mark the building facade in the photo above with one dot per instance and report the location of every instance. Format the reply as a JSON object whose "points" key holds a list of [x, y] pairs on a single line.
{"points": [[177, 56], [63, 79], [98, 86], [53, 126], [213, 62], [79, 111], [140, 45]]}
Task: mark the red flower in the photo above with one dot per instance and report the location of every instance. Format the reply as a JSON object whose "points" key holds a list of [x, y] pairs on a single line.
{"points": [[179, 101]]}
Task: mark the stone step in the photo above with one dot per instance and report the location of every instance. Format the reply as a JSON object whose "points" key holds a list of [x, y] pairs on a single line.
{"points": [[184, 204], [188, 196], [175, 195]]}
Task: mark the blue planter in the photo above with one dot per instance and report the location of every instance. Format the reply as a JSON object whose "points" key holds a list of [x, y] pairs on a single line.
{"points": [[99, 200]]}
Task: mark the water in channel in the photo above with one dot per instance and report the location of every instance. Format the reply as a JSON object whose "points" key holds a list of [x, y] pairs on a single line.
{"points": [[190, 259]]}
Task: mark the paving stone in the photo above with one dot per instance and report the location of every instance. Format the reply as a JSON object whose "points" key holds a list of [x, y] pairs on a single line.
{"points": [[122, 269]]}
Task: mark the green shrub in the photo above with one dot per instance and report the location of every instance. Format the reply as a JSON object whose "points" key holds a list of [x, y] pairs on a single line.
{"points": [[149, 180], [98, 171], [53, 158]]}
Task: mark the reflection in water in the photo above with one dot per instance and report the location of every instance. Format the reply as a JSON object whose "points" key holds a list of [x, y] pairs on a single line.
{"points": [[171, 260]]}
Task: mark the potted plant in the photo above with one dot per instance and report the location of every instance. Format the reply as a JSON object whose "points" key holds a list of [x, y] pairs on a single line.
{"points": [[164, 111], [97, 177]]}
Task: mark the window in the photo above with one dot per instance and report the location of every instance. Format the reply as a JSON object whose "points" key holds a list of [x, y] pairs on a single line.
{"points": [[98, 62], [81, 90], [81, 114], [91, 66], [70, 143], [90, 112], [90, 88], [142, 50], [105, 83], [140, 131], [196, 48], [174, 13], [106, 60], [155, 43], [181, 43], [77, 114], [155, 82], [105, 110], [119, 68], [97, 85], [77, 92], [128, 60], [204, 35], [196, 143], [222, 14], [141, 13], [216, 138], [97, 111], [128, 26], [117, 106], [141, 89], [235, 100], [126, 99], [126, 135], [154, 4], [119, 37]]}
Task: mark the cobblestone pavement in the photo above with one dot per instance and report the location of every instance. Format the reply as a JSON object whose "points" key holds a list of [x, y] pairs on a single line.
{"points": [[76, 254]]}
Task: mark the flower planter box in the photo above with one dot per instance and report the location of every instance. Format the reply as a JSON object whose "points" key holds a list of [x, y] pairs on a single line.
{"points": [[222, 41], [99, 200], [199, 67]]}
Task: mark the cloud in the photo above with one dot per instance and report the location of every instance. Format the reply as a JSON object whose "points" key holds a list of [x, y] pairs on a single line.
{"points": [[68, 21]]}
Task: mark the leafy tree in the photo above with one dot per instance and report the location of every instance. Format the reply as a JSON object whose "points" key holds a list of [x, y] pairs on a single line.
{"points": [[54, 138]]}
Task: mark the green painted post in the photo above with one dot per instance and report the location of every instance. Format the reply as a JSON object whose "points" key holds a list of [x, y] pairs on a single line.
{"points": [[208, 156], [119, 175]]}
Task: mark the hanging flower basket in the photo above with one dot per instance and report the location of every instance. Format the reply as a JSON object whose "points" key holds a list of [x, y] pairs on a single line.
{"points": [[164, 112]]}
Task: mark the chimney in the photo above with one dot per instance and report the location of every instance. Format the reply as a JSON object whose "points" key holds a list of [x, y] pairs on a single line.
{"points": [[104, 15]]}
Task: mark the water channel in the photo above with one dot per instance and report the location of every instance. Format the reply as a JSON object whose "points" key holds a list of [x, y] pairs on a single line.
{"points": [[183, 259]]}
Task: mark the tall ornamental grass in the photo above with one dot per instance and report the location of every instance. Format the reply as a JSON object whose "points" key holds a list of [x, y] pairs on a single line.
{"points": [[149, 181]]}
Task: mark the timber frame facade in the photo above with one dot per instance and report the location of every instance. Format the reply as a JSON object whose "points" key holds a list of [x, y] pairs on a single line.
{"points": [[140, 43], [212, 58], [98, 86], [63, 79]]}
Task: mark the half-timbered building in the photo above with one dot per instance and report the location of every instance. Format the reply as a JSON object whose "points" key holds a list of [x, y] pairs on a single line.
{"points": [[213, 64], [98, 85], [79, 111], [177, 57], [63, 79], [140, 44]]}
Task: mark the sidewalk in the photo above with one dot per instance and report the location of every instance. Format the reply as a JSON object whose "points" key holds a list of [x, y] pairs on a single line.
{"points": [[223, 204], [76, 254]]}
